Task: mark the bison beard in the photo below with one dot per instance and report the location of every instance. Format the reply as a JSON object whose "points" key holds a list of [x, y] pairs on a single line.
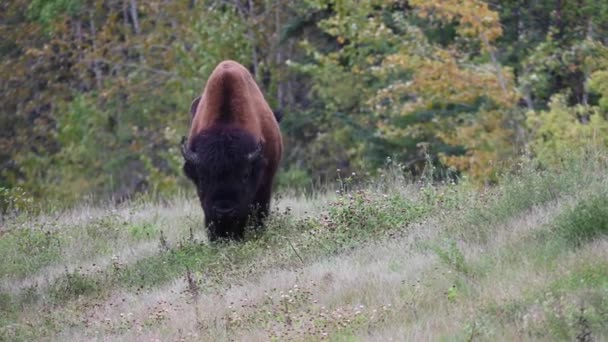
{"points": [[232, 152]]}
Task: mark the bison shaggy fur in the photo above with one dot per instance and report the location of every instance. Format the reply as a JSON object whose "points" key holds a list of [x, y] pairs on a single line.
{"points": [[233, 150]]}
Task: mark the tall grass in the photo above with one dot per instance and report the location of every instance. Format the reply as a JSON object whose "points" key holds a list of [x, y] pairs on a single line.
{"points": [[385, 258]]}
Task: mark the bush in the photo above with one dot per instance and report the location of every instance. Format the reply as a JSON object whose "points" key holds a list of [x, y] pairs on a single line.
{"points": [[562, 130], [587, 220], [15, 200]]}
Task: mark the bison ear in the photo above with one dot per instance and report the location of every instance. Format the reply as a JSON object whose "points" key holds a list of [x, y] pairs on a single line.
{"points": [[187, 152], [278, 114], [194, 105]]}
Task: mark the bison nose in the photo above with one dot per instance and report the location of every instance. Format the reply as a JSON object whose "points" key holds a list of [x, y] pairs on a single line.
{"points": [[224, 208]]}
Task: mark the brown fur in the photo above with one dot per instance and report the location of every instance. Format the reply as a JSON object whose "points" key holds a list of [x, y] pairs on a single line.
{"points": [[231, 96]]}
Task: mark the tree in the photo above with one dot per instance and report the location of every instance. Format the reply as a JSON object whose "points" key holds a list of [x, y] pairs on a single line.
{"points": [[446, 95]]}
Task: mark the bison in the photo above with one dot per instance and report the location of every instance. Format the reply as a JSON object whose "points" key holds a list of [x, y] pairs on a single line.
{"points": [[232, 152]]}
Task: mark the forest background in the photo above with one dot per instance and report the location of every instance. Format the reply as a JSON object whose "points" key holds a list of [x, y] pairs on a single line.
{"points": [[95, 94]]}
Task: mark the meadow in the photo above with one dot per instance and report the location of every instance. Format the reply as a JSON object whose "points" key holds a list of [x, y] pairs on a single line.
{"points": [[389, 258]]}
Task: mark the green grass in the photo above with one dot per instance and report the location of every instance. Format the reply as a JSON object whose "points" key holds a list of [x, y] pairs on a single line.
{"points": [[570, 306], [25, 251], [593, 275], [524, 260]]}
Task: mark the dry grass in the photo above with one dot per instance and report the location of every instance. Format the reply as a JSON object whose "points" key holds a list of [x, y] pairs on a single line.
{"points": [[462, 269]]}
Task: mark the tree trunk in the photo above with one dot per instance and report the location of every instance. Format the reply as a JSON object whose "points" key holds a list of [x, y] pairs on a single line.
{"points": [[134, 17], [499, 75], [585, 95], [96, 69], [77, 29], [125, 14], [558, 19], [252, 41], [279, 57]]}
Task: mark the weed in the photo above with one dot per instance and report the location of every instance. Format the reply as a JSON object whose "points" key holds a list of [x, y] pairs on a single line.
{"points": [[594, 275], [142, 231], [26, 250], [15, 200], [72, 285], [451, 255], [584, 222]]}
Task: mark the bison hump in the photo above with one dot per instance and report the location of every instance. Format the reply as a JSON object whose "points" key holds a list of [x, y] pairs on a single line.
{"points": [[231, 96], [228, 92]]}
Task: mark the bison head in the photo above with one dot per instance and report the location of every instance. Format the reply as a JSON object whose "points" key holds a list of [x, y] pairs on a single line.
{"points": [[226, 166]]}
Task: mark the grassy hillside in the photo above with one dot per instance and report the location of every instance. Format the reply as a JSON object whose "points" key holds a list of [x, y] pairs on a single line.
{"points": [[400, 260]]}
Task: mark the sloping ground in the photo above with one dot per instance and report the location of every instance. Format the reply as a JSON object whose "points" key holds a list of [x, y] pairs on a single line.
{"points": [[527, 260]]}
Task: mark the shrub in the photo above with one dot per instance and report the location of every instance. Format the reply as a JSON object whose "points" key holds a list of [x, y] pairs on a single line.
{"points": [[587, 220]]}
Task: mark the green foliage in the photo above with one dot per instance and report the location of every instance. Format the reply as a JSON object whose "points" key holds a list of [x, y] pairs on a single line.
{"points": [[96, 95], [120, 136], [295, 179], [450, 254], [563, 129], [599, 84], [343, 80], [15, 200], [215, 35], [586, 221], [46, 11], [73, 285], [382, 63]]}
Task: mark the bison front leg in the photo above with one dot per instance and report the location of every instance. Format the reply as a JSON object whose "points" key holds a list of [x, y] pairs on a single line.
{"points": [[261, 206], [212, 234]]}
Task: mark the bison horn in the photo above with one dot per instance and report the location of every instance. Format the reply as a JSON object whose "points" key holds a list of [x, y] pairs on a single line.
{"points": [[255, 154], [188, 154]]}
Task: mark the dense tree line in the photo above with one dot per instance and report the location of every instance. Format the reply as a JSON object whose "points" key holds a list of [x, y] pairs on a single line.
{"points": [[95, 95]]}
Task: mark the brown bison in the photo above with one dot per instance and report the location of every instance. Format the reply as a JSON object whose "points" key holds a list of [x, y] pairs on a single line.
{"points": [[233, 151]]}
